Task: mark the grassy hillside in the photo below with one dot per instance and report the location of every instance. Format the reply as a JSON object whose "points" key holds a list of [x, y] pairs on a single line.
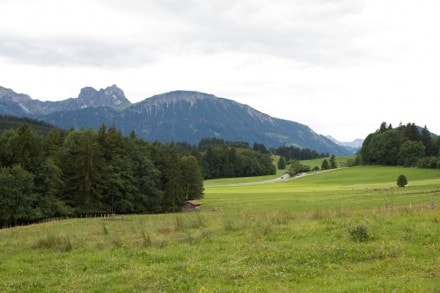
{"points": [[357, 187], [344, 230], [341, 161]]}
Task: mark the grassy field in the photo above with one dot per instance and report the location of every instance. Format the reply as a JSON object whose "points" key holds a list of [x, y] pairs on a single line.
{"points": [[341, 161], [346, 230]]}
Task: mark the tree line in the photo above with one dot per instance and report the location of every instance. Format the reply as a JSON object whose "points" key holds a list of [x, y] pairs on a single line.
{"points": [[406, 145], [48, 172], [290, 153], [54, 173], [87, 171], [222, 159]]}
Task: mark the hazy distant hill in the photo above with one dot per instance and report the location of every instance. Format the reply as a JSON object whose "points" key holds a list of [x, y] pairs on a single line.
{"points": [[176, 116], [353, 146]]}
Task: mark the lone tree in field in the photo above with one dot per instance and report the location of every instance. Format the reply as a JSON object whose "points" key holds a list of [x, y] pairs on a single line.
{"points": [[282, 163], [333, 164], [402, 181], [325, 165]]}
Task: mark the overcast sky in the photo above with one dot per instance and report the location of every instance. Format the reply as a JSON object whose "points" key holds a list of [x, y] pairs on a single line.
{"points": [[339, 66]]}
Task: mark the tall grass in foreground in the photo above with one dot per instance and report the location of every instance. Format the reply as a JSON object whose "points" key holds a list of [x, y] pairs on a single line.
{"points": [[231, 251]]}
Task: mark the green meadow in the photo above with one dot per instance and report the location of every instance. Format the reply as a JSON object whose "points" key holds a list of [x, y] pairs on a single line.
{"points": [[344, 230]]}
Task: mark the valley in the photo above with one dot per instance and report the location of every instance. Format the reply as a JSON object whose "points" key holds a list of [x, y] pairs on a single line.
{"points": [[351, 229]]}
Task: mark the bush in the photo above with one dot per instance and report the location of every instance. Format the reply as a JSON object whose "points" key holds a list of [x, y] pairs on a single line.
{"points": [[359, 233], [402, 181], [297, 168]]}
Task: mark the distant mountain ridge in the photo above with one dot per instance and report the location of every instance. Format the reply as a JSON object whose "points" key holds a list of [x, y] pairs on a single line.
{"points": [[24, 105], [89, 97], [354, 145], [175, 116]]}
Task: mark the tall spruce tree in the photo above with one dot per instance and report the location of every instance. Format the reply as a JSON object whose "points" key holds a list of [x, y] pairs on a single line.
{"points": [[192, 180], [118, 181], [333, 164], [49, 186], [167, 160], [282, 163], [428, 142], [22, 146], [148, 194], [325, 165], [83, 168]]}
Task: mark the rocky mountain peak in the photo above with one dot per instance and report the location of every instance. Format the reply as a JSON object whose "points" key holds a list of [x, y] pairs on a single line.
{"points": [[87, 93], [8, 94], [113, 90], [109, 97]]}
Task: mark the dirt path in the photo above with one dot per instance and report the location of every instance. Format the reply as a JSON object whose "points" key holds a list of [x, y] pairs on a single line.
{"points": [[283, 178], [278, 179]]}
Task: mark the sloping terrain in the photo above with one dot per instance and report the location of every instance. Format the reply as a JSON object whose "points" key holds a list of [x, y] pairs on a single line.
{"points": [[176, 116]]}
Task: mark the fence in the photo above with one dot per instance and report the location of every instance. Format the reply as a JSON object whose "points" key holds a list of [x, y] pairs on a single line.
{"points": [[18, 222]]}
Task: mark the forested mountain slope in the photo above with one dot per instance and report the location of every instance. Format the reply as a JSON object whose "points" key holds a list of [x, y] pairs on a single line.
{"points": [[175, 116]]}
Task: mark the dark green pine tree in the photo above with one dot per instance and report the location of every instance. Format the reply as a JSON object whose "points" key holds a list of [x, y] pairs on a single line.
{"points": [[27, 148], [49, 186], [333, 164], [118, 181], [53, 145], [83, 166], [282, 163], [230, 162], [411, 132], [325, 165], [6, 148], [383, 127], [173, 193], [215, 163], [148, 195], [428, 142], [167, 161], [192, 180]]}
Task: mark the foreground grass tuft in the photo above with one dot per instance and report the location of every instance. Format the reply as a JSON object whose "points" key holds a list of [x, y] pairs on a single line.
{"points": [[359, 233], [55, 243]]}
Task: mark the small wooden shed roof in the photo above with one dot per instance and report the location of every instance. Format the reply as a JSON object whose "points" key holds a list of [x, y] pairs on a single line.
{"points": [[194, 202]]}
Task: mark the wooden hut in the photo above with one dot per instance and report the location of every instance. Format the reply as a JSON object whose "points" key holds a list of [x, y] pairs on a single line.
{"points": [[191, 205]]}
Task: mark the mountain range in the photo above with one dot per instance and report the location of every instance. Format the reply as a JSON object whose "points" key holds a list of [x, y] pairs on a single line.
{"points": [[353, 146], [184, 116]]}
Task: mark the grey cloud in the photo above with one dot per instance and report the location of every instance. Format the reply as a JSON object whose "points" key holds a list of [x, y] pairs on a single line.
{"points": [[312, 32], [308, 32], [75, 52]]}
